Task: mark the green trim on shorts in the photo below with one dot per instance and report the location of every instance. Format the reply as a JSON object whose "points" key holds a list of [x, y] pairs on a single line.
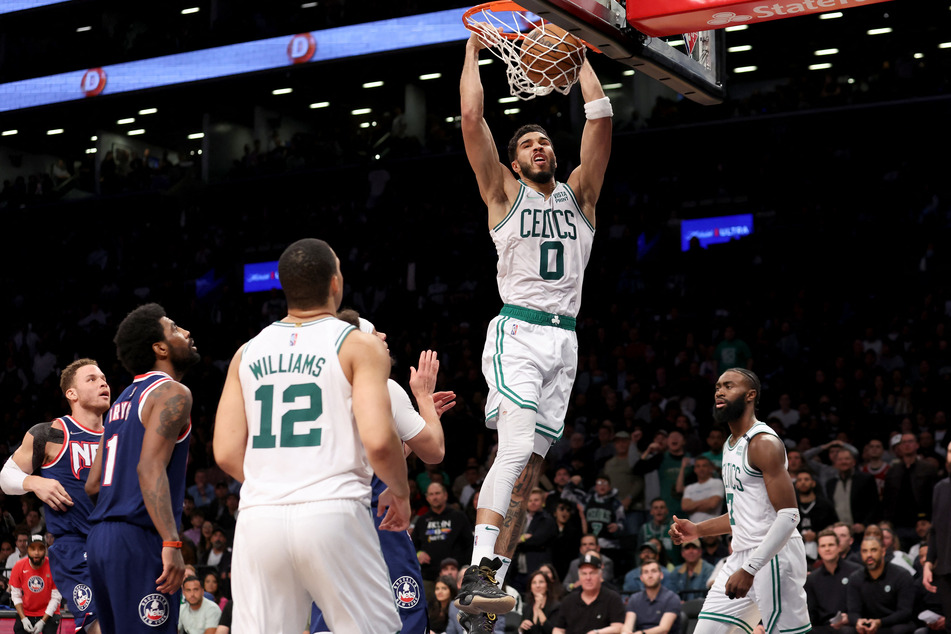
{"points": [[499, 377], [538, 317], [546, 434], [493, 414], [799, 630], [777, 594], [518, 199], [726, 618]]}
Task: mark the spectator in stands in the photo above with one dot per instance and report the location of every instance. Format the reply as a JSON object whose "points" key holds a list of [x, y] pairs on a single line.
{"points": [[732, 352], [198, 614], [874, 465], [442, 532], [848, 549], [604, 514], [448, 567], [689, 579], [713, 549], [6, 549], [594, 608], [444, 592], [826, 471], [853, 494], [703, 499], [880, 598], [34, 522], [567, 536], [34, 594], [630, 486], [826, 586], [203, 545], [5, 598], [567, 489], [658, 528], [893, 552], [668, 465], [785, 414], [539, 605], [202, 491], [22, 541], [535, 543], [716, 437], [196, 521], [219, 557], [213, 589], [815, 513], [908, 487], [589, 544], [655, 608]]}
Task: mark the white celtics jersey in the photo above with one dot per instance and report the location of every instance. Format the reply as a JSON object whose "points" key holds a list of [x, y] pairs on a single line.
{"points": [[751, 512], [543, 247], [303, 444]]}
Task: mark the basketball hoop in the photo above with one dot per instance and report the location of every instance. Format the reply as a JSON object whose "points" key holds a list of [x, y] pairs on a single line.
{"points": [[539, 57]]}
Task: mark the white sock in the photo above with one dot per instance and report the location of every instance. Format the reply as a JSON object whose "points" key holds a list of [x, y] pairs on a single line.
{"points": [[484, 544], [501, 572]]}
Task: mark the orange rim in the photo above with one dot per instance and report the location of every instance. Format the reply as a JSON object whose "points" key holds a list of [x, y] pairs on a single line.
{"points": [[507, 5]]}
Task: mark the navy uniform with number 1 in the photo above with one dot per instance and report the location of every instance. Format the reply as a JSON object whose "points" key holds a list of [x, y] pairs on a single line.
{"points": [[124, 549]]}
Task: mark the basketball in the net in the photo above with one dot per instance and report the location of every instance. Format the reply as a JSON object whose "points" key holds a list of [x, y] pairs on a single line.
{"points": [[550, 56]]}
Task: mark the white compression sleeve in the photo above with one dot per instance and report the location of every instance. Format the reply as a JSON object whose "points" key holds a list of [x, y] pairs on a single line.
{"points": [[779, 533], [12, 477]]}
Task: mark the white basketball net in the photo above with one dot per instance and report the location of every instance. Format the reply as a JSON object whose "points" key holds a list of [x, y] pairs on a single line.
{"points": [[530, 52]]}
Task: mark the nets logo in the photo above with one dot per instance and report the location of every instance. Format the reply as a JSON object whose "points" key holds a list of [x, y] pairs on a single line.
{"points": [[94, 82], [301, 48], [153, 609], [36, 584], [406, 591], [82, 596]]}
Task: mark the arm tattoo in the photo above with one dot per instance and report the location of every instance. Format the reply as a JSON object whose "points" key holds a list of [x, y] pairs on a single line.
{"points": [[158, 500], [174, 416], [44, 433]]}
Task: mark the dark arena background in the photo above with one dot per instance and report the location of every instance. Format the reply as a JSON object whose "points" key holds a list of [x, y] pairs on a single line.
{"points": [[837, 281]]}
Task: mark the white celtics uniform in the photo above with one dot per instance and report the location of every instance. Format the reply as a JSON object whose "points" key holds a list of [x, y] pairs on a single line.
{"points": [[778, 596], [304, 530], [531, 350]]}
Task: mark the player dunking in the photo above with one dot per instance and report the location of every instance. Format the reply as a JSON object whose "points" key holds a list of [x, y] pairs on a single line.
{"points": [[134, 550], [304, 420], [422, 433], [63, 452], [765, 575], [543, 231]]}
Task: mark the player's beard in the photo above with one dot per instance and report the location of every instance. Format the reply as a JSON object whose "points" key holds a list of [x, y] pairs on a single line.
{"points": [[733, 411], [536, 175], [37, 561], [184, 358]]}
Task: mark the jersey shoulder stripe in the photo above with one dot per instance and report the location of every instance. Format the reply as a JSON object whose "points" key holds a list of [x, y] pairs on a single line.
{"points": [[515, 205]]}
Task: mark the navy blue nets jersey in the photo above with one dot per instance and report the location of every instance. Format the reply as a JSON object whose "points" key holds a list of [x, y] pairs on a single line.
{"points": [[70, 468], [120, 498]]}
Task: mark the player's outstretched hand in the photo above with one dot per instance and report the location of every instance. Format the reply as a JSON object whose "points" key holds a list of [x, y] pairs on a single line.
{"points": [[423, 380], [484, 39], [683, 531], [397, 511], [51, 492], [173, 571], [444, 401]]}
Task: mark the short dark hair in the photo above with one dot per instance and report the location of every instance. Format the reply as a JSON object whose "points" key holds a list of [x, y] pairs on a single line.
{"points": [[350, 316], [138, 331], [306, 268], [753, 380], [191, 578], [828, 531], [525, 129], [68, 375]]}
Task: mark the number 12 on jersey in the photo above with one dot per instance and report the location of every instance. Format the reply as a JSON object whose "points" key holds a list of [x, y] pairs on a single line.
{"points": [[309, 412]]}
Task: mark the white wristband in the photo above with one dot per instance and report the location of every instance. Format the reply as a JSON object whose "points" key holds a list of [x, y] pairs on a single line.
{"points": [[779, 533], [598, 109], [12, 477]]}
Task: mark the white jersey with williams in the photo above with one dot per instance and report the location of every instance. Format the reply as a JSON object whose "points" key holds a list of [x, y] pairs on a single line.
{"points": [[303, 442], [751, 512], [543, 247]]}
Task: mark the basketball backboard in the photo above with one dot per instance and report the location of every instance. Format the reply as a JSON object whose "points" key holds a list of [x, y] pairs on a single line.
{"points": [[603, 24]]}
